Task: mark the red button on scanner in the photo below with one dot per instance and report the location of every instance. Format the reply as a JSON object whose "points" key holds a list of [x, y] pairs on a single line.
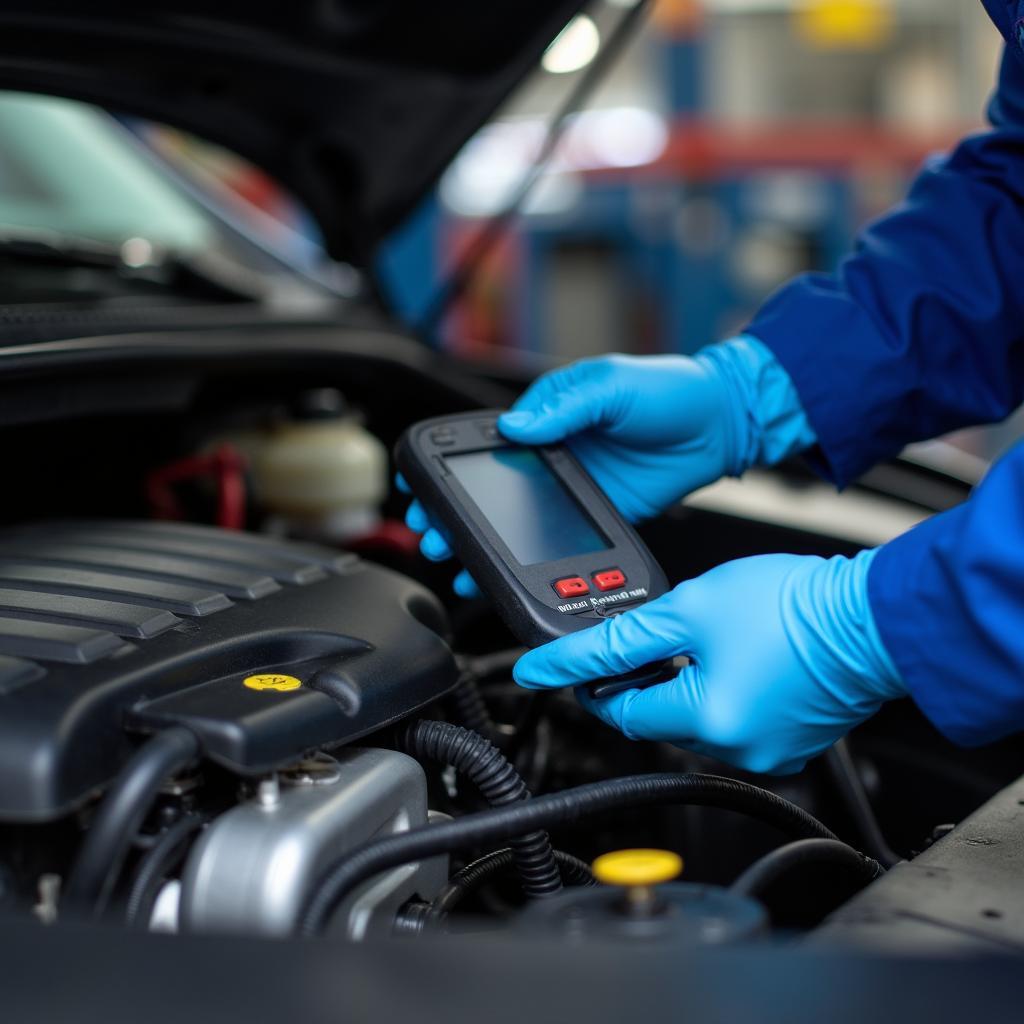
{"points": [[571, 586], [610, 579]]}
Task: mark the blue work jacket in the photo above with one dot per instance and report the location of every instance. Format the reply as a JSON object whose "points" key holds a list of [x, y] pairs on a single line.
{"points": [[921, 331]]}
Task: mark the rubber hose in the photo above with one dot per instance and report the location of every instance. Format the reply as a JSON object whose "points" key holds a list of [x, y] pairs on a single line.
{"points": [[565, 808], [471, 708], [574, 872], [483, 666], [164, 855], [774, 866], [841, 766], [120, 816], [496, 778]]}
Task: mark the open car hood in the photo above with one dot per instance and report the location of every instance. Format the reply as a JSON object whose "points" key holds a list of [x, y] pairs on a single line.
{"points": [[355, 106]]}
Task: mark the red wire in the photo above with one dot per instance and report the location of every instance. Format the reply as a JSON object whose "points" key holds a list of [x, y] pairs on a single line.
{"points": [[231, 486], [227, 467]]}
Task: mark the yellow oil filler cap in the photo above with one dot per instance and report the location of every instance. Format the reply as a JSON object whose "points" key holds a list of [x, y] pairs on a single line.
{"points": [[643, 868]]}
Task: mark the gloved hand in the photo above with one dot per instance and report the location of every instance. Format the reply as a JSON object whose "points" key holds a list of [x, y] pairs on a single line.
{"points": [[785, 659], [651, 429]]}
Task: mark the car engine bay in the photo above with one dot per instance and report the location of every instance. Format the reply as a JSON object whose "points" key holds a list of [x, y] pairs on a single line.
{"points": [[286, 724]]}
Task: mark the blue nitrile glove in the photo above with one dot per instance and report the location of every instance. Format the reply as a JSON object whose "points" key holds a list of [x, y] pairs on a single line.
{"points": [[432, 544], [651, 429], [784, 656]]}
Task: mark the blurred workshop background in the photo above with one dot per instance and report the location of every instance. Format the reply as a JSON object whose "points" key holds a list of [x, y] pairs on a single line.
{"points": [[733, 144]]}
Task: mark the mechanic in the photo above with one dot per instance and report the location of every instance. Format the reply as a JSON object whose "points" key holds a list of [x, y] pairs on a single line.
{"points": [[920, 332]]}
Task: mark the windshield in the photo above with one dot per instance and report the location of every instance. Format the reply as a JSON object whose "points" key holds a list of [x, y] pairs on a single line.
{"points": [[67, 167], [72, 175]]}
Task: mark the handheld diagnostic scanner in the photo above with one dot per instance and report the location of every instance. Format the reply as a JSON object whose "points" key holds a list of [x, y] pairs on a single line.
{"points": [[537, 534]]}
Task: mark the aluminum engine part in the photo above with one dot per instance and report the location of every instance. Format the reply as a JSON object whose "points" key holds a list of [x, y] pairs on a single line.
{"points": [[256, 864]]}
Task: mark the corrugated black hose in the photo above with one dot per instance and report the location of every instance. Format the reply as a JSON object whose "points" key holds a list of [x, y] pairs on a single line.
{"points": [[480, 872], [415, 918], [471, 708], [566, 808], [491, 772]]}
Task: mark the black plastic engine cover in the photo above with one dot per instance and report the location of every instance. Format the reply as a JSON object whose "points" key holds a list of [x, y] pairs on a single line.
{"points": [[109, 629]]}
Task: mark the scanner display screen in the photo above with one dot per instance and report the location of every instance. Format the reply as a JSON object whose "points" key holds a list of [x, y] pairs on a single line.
{"points": [[526, 504]]}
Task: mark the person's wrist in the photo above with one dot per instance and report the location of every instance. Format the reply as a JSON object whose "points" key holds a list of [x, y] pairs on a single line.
{"points": [[835, 599], [885, 668], [725, 368], [767, 422]]}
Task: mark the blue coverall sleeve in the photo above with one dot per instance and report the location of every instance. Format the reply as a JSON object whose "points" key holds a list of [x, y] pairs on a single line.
{"points": [[948, 601], [921, 331]]}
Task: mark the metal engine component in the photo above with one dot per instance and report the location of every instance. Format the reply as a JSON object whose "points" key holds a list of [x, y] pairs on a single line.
{"points": [[255, 865]]}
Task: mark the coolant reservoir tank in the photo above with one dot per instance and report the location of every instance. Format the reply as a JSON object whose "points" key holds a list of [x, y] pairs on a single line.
{"points": [[320, 470]]}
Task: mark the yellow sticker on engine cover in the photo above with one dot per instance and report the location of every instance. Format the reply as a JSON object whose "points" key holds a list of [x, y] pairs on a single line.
{"points": [[272, 681]]}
